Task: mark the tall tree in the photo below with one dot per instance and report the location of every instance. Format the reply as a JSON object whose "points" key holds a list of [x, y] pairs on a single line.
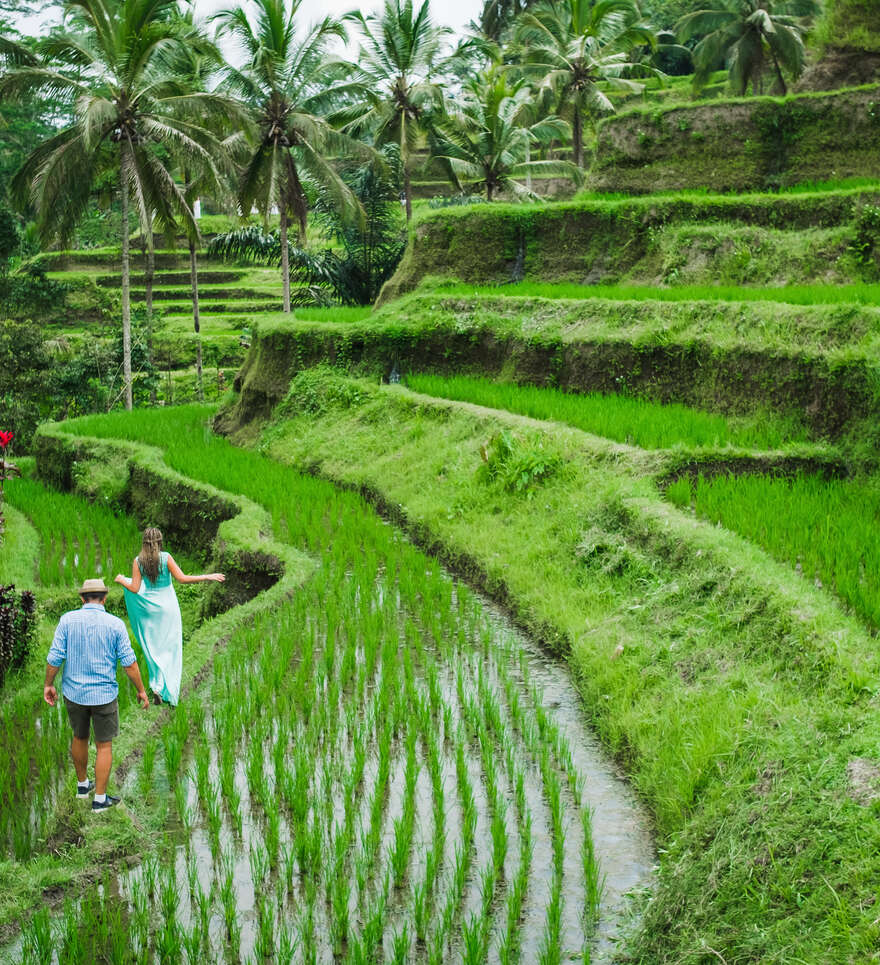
{"points": [[751, 36], [487, 142], [393, 86], [578, 49], [284, 83], [112, 61]]}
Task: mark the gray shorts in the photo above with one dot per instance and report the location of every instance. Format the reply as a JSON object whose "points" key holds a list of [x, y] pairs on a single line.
{"points": [[104, 719]]}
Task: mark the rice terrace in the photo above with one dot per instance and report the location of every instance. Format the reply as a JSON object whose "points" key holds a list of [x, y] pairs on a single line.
{"points": [[440, 482]]}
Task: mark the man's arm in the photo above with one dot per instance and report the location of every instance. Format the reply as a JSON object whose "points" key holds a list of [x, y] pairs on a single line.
{"points": [[56, 657], [125, 655], [50, 694], [132, 671]]}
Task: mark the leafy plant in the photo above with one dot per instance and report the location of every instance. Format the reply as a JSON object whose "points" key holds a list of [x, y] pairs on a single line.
{"points": [[18, 628], [865, 245], [517, 465]]}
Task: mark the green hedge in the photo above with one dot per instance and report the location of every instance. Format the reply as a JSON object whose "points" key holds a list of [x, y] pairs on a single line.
{"points": [[741, 144]]}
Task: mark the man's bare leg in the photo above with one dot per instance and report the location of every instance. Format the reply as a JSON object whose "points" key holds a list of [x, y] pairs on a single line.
{"points": [[79, 751], [103, 761]]}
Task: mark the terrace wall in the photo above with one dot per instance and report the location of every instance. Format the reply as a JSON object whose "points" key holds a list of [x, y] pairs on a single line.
{"points": [[741, 144], [643, 348], [229, 531], [589, 242]]}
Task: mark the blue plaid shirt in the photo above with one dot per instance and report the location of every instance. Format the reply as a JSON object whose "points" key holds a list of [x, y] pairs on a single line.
{"points": [[89, 642]]}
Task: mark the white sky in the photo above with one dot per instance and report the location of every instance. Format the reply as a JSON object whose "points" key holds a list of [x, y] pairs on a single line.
{"points": [[450, 13]]}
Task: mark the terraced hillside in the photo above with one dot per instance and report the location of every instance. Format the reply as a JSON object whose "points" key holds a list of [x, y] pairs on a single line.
{"points": [[705, 567]]}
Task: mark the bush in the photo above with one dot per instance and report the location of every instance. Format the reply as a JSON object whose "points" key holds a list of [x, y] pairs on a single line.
{"points": [[318, 390], [866, 243], [18, 628], [517, 465]]}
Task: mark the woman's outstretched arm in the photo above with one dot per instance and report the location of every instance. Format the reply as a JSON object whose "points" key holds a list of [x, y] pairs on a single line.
{"points": [[134, 584], [181, 577]]}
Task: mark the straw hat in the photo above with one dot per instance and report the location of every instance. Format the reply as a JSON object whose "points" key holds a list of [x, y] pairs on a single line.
{"points": [[92, 586]]}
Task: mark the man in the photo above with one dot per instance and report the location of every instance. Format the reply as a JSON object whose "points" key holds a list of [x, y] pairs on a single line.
{"points": [[89, 642]]}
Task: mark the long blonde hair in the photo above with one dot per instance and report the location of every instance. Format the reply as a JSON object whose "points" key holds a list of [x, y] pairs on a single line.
{"points": [[148, 559]]}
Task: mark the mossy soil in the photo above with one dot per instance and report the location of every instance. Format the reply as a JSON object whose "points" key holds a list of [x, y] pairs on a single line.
{"points": [[736, 694]]}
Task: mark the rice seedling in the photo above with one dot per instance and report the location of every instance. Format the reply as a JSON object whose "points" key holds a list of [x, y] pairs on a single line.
{"points": [[810, 294], [635, 421], [329, 735]]}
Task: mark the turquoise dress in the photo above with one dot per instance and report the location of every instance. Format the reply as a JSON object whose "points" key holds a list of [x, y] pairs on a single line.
{"points": [[155, 618]]}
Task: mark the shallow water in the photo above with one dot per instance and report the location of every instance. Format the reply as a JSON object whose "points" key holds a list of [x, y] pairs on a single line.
{"points": [[472, 672]]}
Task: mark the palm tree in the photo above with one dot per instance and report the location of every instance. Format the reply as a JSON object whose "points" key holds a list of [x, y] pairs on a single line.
{"points": [[196, 64], [575, 46], [488, 142], [113, 65], [748, 33], [392, 84], [284, 82]]}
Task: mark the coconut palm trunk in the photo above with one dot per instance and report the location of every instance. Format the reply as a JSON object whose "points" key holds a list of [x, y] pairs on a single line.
{"points": [[194, 286], [407, 191], [126, 288], [577, 134], [285, 259]]}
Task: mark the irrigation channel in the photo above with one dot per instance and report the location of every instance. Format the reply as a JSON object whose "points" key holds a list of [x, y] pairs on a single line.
{"points": [[379, 769]]}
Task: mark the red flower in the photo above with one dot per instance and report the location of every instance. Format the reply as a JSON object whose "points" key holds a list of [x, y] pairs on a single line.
{"points": [[6, 438]]}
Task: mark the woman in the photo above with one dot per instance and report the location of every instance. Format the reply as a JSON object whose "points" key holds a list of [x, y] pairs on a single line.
{"points": [[155, 613]]}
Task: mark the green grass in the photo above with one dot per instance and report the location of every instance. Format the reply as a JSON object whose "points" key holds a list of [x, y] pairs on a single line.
{"points": [[334, 313], [830, 530], [864, 294], [804, 187], [634, 421], [78, 539]]}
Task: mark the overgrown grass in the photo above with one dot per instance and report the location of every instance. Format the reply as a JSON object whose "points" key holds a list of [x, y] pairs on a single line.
{"points": [[19, 549], [856, 294], [637, 422], [828, 529]]}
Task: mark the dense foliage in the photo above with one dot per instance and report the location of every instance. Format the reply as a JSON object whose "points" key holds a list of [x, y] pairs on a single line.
{"points": [[18, 628], [367, 254]]}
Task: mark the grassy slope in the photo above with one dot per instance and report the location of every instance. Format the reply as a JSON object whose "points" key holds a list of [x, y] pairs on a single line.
{"points": [[734, 692]]}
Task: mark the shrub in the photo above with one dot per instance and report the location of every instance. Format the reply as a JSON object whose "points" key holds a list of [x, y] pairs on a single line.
{"points": [[318, 390], [517, 465], [18, 628], [866, 242]]}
